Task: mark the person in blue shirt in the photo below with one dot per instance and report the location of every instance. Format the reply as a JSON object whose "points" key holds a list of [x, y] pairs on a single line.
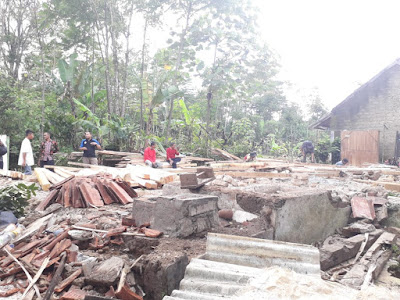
{"points": [[343, 162], [89, 146]]}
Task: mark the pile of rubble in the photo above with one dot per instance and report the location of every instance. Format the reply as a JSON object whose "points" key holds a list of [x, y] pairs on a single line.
{"points": [[64, 248]]}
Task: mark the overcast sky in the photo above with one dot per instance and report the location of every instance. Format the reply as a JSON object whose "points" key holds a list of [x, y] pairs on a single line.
{"points": [[333, 46]]}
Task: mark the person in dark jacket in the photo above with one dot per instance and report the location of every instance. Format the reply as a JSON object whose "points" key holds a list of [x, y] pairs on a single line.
{"points": [[307, 148], [3, 150]]}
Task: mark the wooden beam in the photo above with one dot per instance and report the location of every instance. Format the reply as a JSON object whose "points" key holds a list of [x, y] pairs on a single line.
{"points": [[43, 181], [254, 174]]}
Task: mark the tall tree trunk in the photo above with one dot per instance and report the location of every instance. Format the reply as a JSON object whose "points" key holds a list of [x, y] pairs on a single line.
{"points": [[104, 57], [142, 73], [114, 45], [42, 70], [209, 98], [107, 61], [178, 66], [124, 80]]}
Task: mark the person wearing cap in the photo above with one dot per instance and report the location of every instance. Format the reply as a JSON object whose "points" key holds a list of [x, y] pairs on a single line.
{"points": [[150, 156], [171, 155]]}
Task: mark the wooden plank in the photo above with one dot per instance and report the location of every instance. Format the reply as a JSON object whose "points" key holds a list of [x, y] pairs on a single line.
{"points": [[44, 183], [360, 146], [254, 174], [225, 154]]}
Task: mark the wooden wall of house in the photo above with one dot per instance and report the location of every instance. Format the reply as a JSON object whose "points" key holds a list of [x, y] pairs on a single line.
{"points": [[376, 107]]}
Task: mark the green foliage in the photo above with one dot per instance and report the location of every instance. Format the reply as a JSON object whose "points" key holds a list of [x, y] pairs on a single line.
{"points": [[15, 198], [336, 150], [324, 148]]}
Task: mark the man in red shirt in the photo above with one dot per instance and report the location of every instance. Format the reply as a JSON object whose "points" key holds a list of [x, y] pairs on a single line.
{"points": [[150, 156], [171, 153]]}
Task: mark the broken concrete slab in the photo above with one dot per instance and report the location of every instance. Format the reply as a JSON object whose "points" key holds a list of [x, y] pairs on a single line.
{"points": [[341, 250], [356, 228], [371, 263], [393, 206], [381, 213], [291, 210], [179, 216], [241, 216], [362, 208], [159, 277], [106, 273]]}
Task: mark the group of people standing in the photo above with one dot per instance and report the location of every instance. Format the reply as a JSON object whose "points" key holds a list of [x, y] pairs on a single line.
{"points": [[46, 152], [89, 145]]}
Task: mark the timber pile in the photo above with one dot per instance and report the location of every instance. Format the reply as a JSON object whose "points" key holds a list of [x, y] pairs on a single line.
{"points": [[12, 174], [51, 258], [93, 191]]}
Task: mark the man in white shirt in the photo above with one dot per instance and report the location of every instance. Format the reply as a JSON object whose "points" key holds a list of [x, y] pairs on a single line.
{"points": [[26, 154]]}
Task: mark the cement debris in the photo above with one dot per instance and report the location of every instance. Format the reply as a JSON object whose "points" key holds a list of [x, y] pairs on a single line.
{"points": [[130, 232]]}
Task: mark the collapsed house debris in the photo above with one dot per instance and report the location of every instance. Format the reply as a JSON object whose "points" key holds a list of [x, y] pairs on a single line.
{"points": [[133, 232]]}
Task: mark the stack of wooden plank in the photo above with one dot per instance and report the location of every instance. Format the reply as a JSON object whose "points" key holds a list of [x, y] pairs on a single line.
{"points": [[92, 191], [12, 174], [135, 175]]}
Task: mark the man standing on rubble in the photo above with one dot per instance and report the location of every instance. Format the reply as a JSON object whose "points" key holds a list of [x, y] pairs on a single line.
{"points": [[307, 148], [150, 156], [3, 150], [26, 154], [47, 149], [89, 146], [172, 151]]}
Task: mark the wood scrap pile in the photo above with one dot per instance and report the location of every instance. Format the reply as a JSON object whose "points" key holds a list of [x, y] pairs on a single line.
{"points": [[357, 257], [44, 260], [93, 191]]}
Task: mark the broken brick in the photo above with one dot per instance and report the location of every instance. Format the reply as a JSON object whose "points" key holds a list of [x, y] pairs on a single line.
{"points": [[362, 208], [116, 231], [127, 294], [128, 221], [74, 294]]}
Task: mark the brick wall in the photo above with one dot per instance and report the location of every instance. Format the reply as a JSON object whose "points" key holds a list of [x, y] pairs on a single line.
{"points": [[375, 107]]}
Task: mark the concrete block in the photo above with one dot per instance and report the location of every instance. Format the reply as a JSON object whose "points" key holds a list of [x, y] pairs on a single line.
{"points": [[143, 211], [159, 277], [185, 215], [308, 217], [106, 273]]}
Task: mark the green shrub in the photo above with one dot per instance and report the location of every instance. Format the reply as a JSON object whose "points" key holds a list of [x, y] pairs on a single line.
{"points": [[15, 198]]}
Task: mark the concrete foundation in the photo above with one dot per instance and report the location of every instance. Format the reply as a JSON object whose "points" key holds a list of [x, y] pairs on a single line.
{"points": [[178, 216], [297, 215]]}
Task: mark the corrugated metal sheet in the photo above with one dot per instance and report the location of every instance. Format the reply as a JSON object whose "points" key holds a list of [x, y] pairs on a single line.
{"points": [[262, 253], [360, 146], [231, 262], [209, 280]]}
